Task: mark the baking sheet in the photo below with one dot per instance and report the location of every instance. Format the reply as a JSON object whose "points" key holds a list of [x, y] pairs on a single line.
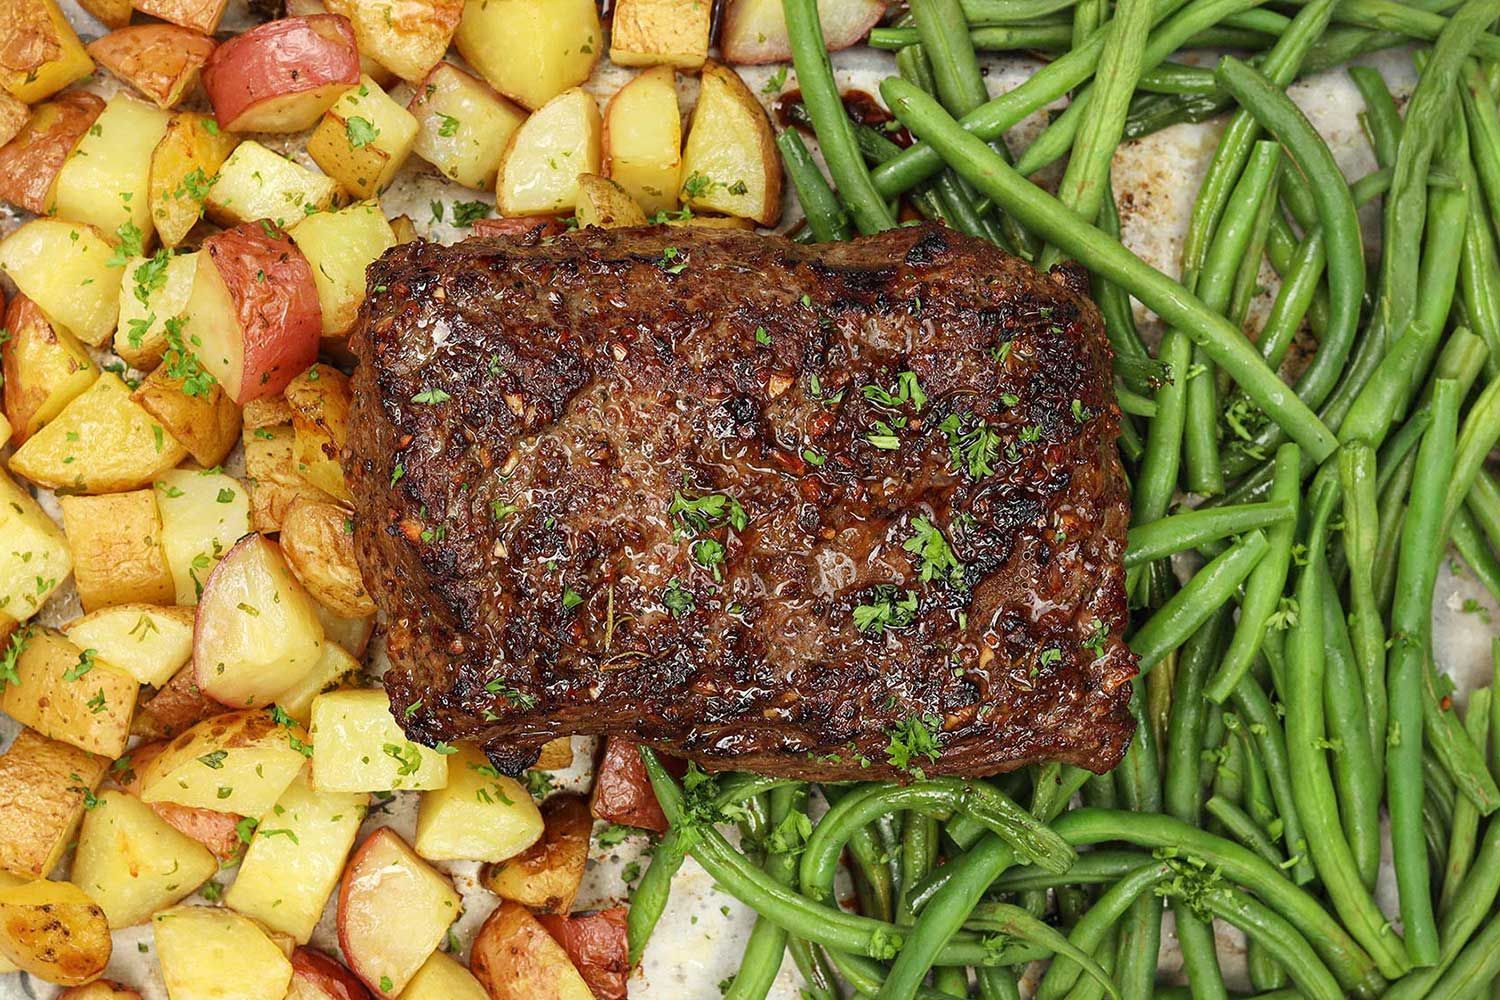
{"points": [[698, 943]]}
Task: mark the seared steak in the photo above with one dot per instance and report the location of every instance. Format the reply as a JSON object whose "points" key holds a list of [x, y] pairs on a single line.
{"points": [[841, 511]]}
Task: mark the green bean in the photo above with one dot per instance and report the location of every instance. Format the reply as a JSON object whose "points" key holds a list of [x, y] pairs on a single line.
{"points": [[1484, 503], [1264, 587], [918, 854], [1473, 968], [991, 120], [1353, 967], [1014, 922], [1083, 183], [1411, 617], [1483, 117], [1442, 251], [1191, 606], [1011, 11], [1140, 791], [1300, 285], [1177, 78], [820, 94], [1038, 211], [825, 216], [1265, 726], [1312, 786], [1214, 285], [1359, 785], [767, 942], [997, 984], [1234, 145], [1357, 478], [1405, 19], [1158, 477], [1481, 429], [1101, 867], [1059, 136], [649, 900], [1381, 116], [1244, 829], [1406, 203], [999, 38], [1463, 837], [1479, 280], [1337, 217], [1286, 944], [1246, 285], [1258, 800], [1190, 529], [1457, 754], [1089, 932], [1476, 553]]}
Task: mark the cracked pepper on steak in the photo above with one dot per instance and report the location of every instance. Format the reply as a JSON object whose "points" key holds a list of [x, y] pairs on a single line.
{"points": [[843, 511]]}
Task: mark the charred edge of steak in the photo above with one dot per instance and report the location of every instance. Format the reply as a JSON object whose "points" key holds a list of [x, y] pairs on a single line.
{"points": [[840, 511]]}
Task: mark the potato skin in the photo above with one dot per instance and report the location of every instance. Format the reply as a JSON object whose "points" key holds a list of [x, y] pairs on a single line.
{"points": [[597, 944], [174, 708], [161, 61], [622, 792], [116, 543], [545, 877], [54, 931], [514, 958], [319, 547], [41, 803], [30, 162]]}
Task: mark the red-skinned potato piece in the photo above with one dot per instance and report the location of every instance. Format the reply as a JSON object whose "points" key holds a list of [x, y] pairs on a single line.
{"points": [[253, 312], [161, 61], [216, 831], [622, 792], [597, 945], [30, 162], [530, 226], [100, 989], [282, 75], [315, 976], [754, 31], [13, 117], [514, 958]]}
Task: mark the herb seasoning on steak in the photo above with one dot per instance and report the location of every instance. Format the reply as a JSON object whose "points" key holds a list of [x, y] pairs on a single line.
{"points": [[844, 511]]}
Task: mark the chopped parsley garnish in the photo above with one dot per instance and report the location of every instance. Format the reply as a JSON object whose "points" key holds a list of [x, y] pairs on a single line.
{"points": [[361, 131], [408, 759], [431, 397], [888, 608], [449, 126], [466, 213], [84, 665], [673, 260], [709, 553], [707, 511], [181, 363], [935, 558], [912, 738], [677, 601], [907, 390], [973, 450]]}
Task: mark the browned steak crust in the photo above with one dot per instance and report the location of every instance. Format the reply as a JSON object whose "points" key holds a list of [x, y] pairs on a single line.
{"points": [[526, 412]]}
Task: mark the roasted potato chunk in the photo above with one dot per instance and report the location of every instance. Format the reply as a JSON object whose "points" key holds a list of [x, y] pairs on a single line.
{"points": [[161, 61], [104, 183], [184, 166], [318, 542], [245, 752], [45, 368], [116, 543], [320, 399], [150, 643], [651, 32], [274, 482], [363, 140], [40, 53], [152, 296], [44, 784], [29, 161], [546, 876], [531, 50], [515, 958], [54, 931], [202, 515], [339, 246], [70, 694], [34, 559], [204, 949], [730, 163], [65, 269], [202, 417], [101, 442], [132, 863]]}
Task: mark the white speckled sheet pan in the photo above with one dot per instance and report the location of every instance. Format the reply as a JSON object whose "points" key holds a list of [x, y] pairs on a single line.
{"points": [[697, 945]]}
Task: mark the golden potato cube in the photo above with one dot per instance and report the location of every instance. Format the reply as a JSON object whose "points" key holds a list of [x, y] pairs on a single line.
{"points": [[318, 541], [239, 762], [443, 978], [335, 663], [44, 785], [70, 694], [531, 50], [154, 291], [54, 931], [546, 876], [555, 755], [385, 876], [405, 37], [105, 181], [34, 559], [463, 125], [116, 543], [132, 863], [363, 139], [603, 203], [102, 442], [357, 747], [148, 642], [296, 857], [202, 417], [649, 32], [4, 430], [546, 155], [42, 53], [45, 367], [339, 246], [64, 268], [202, 15], [13, 117], [643, 139], [272, 475], [479, 815], [183, 167], [320, 399], [202, 515], [730, 163], [209, 953], [255, 183], [114, 13]]}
